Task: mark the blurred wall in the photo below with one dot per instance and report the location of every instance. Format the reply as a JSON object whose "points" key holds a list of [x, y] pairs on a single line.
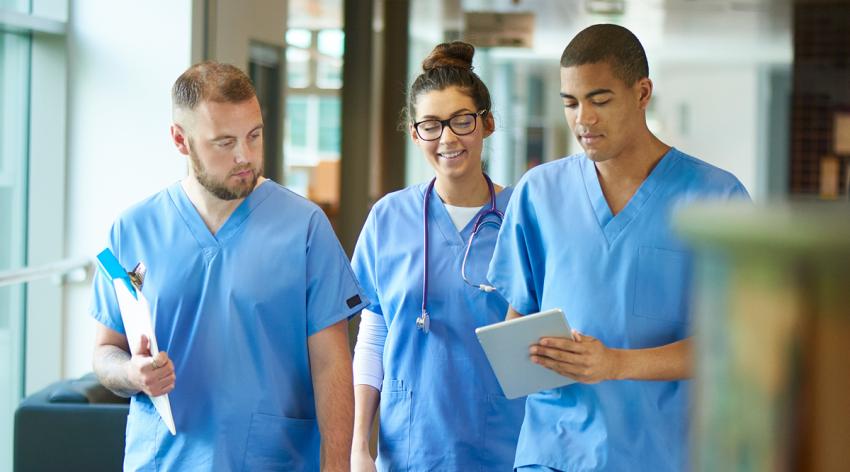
{"points": [[124, 57]]}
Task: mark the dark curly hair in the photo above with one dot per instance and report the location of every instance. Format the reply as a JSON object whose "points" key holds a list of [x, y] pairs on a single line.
{"points": [[613, 44]]}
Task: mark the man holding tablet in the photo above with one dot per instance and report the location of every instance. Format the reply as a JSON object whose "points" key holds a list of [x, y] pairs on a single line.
{"points": [[591, 234]]}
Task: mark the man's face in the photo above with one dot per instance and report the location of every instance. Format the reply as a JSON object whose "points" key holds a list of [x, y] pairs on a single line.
{"points": [[603, 112], [225, 147]]}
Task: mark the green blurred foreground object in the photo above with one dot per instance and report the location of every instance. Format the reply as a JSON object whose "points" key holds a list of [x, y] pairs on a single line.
{"points": [[772, 326]]}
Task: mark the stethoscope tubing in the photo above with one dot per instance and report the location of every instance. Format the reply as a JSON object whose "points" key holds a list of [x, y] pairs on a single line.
{"points": [[423, 321]]}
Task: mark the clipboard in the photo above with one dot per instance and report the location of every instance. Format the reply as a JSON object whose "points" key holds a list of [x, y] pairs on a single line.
{"points": [[506, 345], [136, 315]]}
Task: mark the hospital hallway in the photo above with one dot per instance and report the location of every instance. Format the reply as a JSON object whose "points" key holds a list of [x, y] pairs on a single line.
{"points": [[758, 88]]}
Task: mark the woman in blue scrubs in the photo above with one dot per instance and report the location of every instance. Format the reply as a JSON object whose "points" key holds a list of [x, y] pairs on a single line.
{"points": [[417, 356]]}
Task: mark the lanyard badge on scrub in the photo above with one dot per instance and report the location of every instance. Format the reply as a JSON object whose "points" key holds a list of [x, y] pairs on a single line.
{"points": [[491, 216]]}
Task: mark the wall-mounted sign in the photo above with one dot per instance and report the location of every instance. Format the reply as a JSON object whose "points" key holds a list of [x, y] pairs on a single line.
{"points": [[494, 29], [605, 7]]}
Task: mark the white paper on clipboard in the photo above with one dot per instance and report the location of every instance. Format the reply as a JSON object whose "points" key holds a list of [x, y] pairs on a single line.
{"points": [[136, 315]]}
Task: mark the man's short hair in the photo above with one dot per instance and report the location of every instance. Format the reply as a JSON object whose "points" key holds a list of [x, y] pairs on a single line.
{"points": [[211, 81], [613, 44]]}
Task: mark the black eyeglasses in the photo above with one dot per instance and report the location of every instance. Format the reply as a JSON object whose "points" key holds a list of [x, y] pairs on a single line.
{"points": [[461, 125]]}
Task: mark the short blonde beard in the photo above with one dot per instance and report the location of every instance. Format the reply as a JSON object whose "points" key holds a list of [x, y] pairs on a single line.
{"points": [[219, 188]]}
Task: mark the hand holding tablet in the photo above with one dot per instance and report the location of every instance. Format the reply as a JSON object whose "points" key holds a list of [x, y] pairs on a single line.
{"points": [[506, 345]]}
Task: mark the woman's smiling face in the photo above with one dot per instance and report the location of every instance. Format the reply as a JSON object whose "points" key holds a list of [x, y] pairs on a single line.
{"points": [[451, 156]]}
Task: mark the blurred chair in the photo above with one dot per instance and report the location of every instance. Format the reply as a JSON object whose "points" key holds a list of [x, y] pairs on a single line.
{"points": [[73, 424]]}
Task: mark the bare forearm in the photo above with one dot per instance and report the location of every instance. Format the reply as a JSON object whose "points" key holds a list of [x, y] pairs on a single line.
{"points": [[335, 406], [110, 366], [669, 362], [330, 365], [366, 401]]}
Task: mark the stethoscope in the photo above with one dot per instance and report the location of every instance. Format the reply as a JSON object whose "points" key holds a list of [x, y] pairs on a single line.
{"points": [[423, 322]]}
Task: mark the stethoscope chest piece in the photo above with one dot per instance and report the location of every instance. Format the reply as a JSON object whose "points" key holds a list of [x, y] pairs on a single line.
{"points": [[423, 322]]}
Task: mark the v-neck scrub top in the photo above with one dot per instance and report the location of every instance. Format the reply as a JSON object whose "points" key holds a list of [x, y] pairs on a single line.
{"points": [[441, 406], [623, 279], [234, 311]]}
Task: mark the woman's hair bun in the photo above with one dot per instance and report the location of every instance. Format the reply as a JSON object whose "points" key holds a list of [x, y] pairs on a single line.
{"points": [[455, 54]]}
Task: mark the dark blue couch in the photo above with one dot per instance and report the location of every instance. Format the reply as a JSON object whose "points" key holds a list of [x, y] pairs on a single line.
{"points": [[71, 425]]}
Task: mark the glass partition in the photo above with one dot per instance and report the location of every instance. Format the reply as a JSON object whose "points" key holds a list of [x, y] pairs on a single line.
{"points": [[312, 129], [14, 119]]}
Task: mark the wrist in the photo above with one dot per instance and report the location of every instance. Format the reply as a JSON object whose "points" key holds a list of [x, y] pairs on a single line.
{"points": [[128, 373], [619, 369], [360, 444], [358, 455], [134, 383]]}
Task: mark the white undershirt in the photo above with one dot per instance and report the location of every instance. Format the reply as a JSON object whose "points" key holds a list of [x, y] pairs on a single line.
{"points": [[369, 350], [461, 216]]}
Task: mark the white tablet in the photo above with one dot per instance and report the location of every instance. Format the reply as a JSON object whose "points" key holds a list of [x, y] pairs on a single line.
{"points": [[506, 345]]}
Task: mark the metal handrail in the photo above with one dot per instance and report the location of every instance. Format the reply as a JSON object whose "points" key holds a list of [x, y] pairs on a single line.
{"points": [[29, 274]]}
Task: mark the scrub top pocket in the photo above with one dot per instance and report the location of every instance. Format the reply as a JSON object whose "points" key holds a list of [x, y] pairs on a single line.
{"points": [[281, 443], [662, 284], [394, 433], [142, 422]]}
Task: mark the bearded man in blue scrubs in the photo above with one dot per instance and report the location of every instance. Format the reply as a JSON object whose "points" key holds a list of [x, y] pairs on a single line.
{"points": [[250, 293], [591, 234]]}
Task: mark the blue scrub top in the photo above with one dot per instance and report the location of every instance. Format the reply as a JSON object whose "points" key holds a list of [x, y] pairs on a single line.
{"points": [[441, 405], [234, 312], [623, 279]]}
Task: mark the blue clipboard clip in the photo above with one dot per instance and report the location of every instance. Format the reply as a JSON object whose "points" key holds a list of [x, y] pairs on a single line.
{"points": [[112, 268]]}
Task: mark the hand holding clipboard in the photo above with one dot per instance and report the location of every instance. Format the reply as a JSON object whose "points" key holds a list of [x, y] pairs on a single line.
{"points": [[136, 315]]}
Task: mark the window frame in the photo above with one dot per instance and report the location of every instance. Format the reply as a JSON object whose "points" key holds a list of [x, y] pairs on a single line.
{"points": [[40, 328]]}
